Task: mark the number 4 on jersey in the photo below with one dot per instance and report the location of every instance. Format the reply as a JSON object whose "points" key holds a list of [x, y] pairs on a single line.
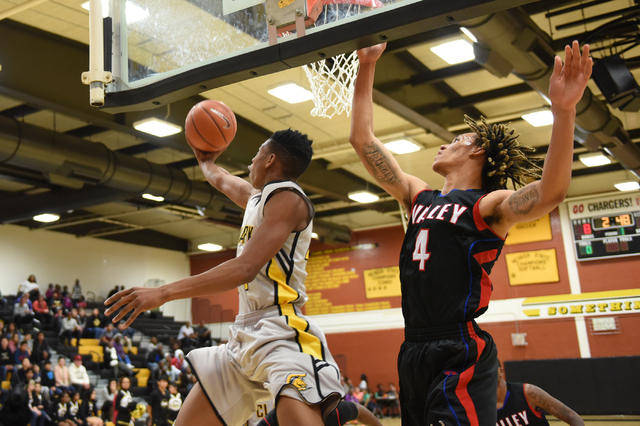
{"points": [[420, 253]]}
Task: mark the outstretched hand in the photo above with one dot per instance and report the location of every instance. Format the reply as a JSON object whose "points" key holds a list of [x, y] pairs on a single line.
{"points": [[569, 81], [204, 156], [371, 53], [138, 299]]}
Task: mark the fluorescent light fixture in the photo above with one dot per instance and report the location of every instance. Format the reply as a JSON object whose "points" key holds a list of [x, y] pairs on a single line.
{"points": [[627, 185], [153, 197], [291, 93], [314, 235], [594, 159], [539, 118], [157, 127], [469, 34], [134, 12], [363, 197], [402, 146], [210, 247], [46, 217], [455, 52]]}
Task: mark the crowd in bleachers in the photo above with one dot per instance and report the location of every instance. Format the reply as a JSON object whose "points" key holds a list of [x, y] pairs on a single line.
{"points": [[381, 402], [50, 349]]}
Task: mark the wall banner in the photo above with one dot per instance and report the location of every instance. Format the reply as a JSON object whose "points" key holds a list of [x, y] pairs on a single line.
{"points": [[584, 304]]}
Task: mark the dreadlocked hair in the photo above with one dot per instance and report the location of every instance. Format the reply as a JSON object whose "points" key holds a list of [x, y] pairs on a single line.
{"points": [[506, 158]]}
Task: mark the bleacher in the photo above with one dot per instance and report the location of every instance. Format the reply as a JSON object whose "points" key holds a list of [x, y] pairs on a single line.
{"points": [[146, 325]]}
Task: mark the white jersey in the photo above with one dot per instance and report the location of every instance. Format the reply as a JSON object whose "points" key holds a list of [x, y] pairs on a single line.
{"points": [[281, 280]]}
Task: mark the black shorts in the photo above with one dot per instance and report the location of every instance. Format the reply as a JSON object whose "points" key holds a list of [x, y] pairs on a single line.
{"points": [[448, 374]]}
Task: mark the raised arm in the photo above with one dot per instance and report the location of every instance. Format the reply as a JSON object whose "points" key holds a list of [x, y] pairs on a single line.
{"points": [[236, 189], [536, 199], [284, 213], [376, 158], [539, 399]]}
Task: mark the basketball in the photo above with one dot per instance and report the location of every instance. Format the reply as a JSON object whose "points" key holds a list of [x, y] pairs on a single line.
{"points": [[210, 126]]}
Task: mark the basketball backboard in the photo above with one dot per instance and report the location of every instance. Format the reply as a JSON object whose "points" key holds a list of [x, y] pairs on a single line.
{"points": [[166, 50]]}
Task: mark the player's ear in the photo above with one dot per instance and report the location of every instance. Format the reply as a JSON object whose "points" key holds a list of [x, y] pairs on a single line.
{"points": [[477, 151]]}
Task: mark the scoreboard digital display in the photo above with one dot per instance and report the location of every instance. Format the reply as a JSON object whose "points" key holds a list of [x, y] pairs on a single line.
{"points": [[606, 227]]}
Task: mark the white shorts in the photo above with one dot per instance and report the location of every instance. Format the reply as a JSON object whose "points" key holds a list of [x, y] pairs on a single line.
{"points": [[271, 352]]}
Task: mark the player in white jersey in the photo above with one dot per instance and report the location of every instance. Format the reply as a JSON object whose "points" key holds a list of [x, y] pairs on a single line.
{"points": [[274, 352]]}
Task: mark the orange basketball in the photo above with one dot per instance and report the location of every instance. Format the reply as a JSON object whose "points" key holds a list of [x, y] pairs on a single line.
{"points": [[210, 126]]}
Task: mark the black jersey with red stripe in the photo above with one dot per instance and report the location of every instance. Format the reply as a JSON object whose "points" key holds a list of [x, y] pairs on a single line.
{"points": [[517, 411], [445, 261]]}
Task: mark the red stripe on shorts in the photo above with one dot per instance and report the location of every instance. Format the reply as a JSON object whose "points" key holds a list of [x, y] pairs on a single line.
{"points": [[465, 377]]}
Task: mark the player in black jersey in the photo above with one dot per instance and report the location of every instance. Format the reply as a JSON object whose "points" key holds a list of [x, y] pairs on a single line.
{"points": [[521, 404], [447, 364]]}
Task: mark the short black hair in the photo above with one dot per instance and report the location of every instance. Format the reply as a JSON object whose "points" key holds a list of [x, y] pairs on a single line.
{"points": [[294, 151]]}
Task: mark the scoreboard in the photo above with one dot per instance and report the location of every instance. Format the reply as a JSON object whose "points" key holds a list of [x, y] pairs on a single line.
{"points": [[606, 227]]}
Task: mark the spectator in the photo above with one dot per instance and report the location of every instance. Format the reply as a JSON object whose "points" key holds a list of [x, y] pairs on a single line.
{"points": [[158, 403], [48, 379], [23, 375], [78, 375], [89, 411], [49, 293], [58, 316], [11, 330], [76, 292], [22, 313], [154, 357], [65, 293], [83, 320], [95, 324], [187, 380], [153, 343], [160, 370], [107, 334], [61, 373], [74, 408], [6, 358], [27, 338], [70, 328], [204, 335], [104, 399], [41, 310], [124, 403], [36, 372], [36, 405], [67, 304], [175, 402], [3, 301], [61, 412], [127, 334], [22, 352], [394, 404], [122, 357], [177, 363], [14, 342], [82, 303], [120, 368], [28, 285], [41, 350], [187, 335], [364, 385], [358, 394]]}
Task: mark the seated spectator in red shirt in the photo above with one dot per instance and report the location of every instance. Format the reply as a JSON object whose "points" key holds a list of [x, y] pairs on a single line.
{"points": [[41, 310]]}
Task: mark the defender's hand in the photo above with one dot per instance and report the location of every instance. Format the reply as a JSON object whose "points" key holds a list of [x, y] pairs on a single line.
{"points": [[569, 81]]}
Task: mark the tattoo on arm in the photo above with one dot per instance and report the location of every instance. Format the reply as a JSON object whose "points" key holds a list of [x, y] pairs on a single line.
{"points": [[523, 200], [541, 400], [380, 163]]}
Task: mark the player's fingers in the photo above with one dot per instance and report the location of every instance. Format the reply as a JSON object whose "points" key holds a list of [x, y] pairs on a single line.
{"points": [[568, 58], [117, 296], [133, 317], [126, 308], [557, 66], [586, 60], [118, 303]]}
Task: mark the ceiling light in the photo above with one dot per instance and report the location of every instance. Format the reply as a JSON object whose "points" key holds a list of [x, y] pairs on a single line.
{"points": [[157, 127], [402, 146], [314, 235], [291, 93], [209, 247], [46, 217], [134, 12], [153, 197], [539, 118], [627, 185], [469, 34], [594, 159], [363, 197], [455, 52]]}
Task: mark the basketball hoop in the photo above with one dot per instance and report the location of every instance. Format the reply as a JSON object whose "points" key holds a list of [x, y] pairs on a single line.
{"points": [[332, 82]]}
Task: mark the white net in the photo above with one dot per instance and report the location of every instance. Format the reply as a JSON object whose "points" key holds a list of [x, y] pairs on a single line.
{"points": [[332, 82]]}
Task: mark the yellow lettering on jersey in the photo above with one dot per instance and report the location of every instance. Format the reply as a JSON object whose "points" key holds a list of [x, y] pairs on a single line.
{"points": [[310, 344], [261, 410], [245, 235], [306, 256]]}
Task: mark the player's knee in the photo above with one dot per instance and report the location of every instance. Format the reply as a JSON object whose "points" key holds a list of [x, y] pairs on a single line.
{"points": [[332, 419]]}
